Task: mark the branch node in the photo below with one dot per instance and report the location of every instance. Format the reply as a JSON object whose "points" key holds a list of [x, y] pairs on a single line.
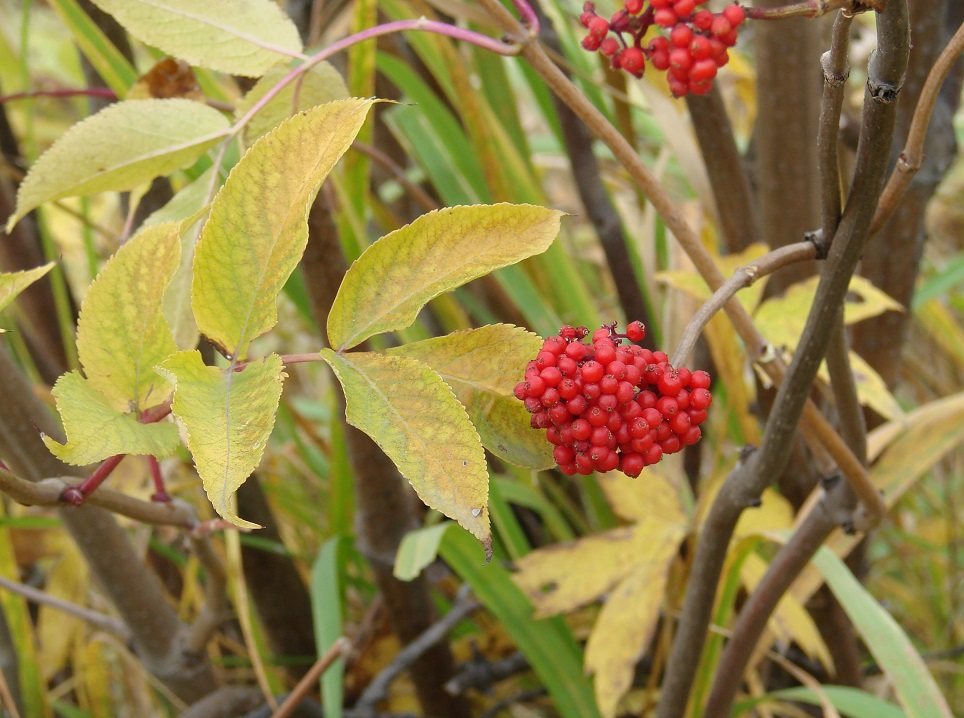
{"points": [[754, 502], [883, 93], [848, 527], [72, 496], [830, 480]]}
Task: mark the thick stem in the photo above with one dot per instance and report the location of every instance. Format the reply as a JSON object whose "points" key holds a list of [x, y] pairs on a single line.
{"points": [[739, 219], [744, 486]]}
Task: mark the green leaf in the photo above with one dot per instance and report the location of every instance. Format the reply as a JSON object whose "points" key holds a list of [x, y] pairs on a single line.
{"points": [[394, 278], [848, 701], [417, 421], [228, 415], [327, 591], [122, 333], [12, 283], [321, 84], [109, 62], [96, 430], [417, 550], [122, 146], [258, 226], [914, 685], [242, 38], [483, 366]]}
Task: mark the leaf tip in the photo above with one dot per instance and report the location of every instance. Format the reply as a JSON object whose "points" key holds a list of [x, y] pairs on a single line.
{"points": [[487, 545]]}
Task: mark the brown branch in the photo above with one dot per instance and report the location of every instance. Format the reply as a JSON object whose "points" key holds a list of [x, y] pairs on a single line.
{"points": [[98, 620], [836, 70], [912, 156], [739, 220], [813, 9], [338, 649]]}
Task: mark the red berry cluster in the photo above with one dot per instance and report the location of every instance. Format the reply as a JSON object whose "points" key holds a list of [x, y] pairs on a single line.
{"points": [[607, 405], [690, 53]]}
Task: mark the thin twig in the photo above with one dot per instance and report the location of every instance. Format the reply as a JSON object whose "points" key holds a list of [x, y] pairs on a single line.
{"points": [[214, 610], [813, 8], [910, 159], [377, 690], [339, 648], [743, 277], [836, 70], [99, 620], [48, 492]]}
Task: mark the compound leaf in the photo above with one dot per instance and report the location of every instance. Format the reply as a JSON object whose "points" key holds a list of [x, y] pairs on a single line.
{"points": [[258, 226], [393, 279], [228, 415], [12, 283], [242, 38], [122, 333], [415, 418], [482, 366], [122, 146], [96, 430]]}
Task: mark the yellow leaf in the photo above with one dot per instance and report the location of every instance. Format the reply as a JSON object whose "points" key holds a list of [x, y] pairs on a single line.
{"points": [[781, 319], [242, 38], [627, 621], [651, 497], [228, 415], [872, 391], [258, 226], [393, 279], [943, 327], [773, 513], [122, 146], [321, 84], [565, 576], [12, 283], [413, 415], [483, 366], [122, 333], [96, 430]]}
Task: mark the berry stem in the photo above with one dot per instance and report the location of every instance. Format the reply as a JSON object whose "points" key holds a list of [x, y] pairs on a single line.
{"points": [[77, 494]]}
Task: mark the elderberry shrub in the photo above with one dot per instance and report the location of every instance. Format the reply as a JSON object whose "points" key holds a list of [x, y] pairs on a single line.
{"points": [[690, 46], [607, 405]]}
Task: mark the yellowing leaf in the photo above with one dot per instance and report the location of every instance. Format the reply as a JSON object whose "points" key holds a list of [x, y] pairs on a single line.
{"points": [[321, 84], [781, 319], [415, 418], [693, 284], [124, 145], [872, 391], [97, 431], [393, 279], [242, 38], [651, 497], [773, 513], [627, 621], [228, 415], [564, 576], [483, 366], [12, 283], [122, 333], [258, 226]]}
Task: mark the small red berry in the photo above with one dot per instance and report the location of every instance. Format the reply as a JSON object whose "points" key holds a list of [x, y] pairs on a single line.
{"points": [[636, 331], [633, 7], [632, 61], [735, 14], [609, 46], [681, 35], [631, 465]]}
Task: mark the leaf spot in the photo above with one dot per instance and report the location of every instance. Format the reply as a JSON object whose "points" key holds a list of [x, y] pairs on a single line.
{"points": [[476, 512]]}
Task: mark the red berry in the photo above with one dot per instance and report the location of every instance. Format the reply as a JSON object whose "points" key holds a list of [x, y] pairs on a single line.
{"points": [[702, 20], [551, 375], [684, 8], [703, 70], [605, 353], [545, 359], [671, 444], [653, 417], [680, 422], [550, 397], [691, 436], [520, 391], [700, 380], [609, 463], [581, 430], [567, 389], [609, 46], [631, 465], [720, 26], [592, 371], [555, 345], [596, 416], [608, 384], [681, 36], [697, 416], [567, 366], [667, 406], [608, 402], [591, 43], [680, 59], [577, 405], [735, 14], [576, 351], [564, 454], [559, 414], [665, 17], [598, 27], [700, 398], [632, 61], [625, 392], [633, 7], [535, 386], [653, 456], [636, 331], [591, 391]]}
